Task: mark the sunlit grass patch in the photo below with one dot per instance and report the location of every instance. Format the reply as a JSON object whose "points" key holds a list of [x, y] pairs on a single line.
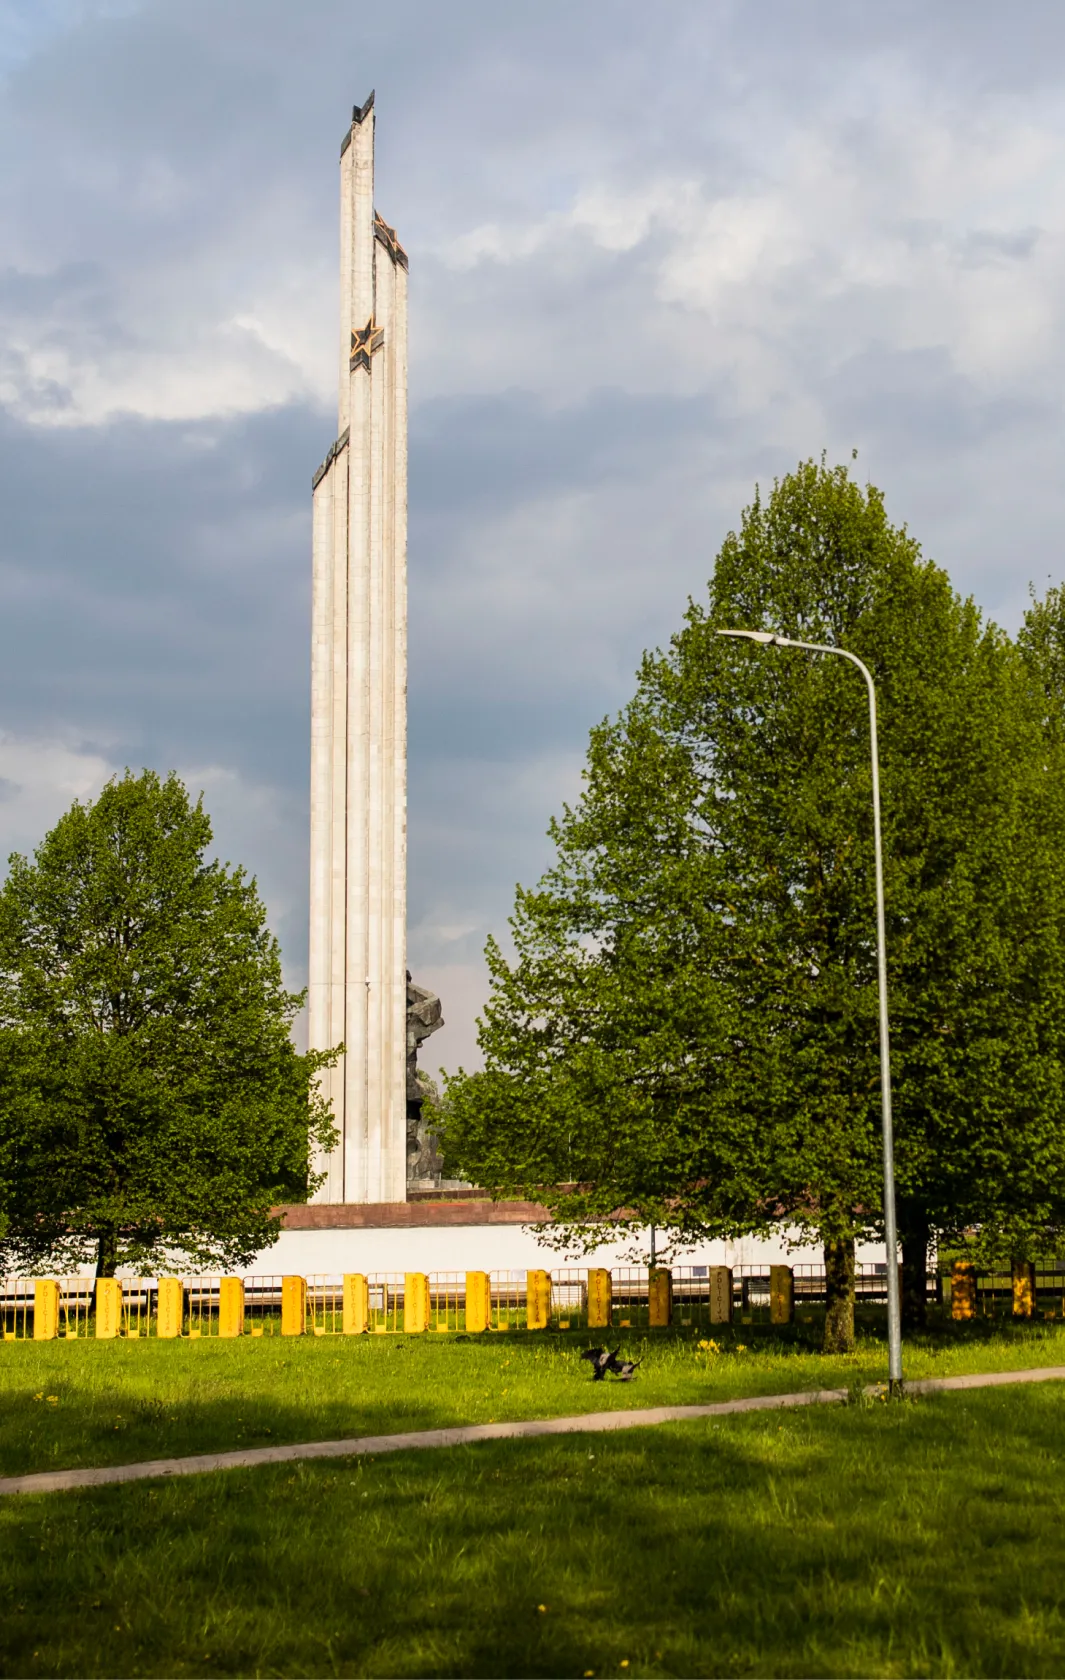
{"points": [[72, 1404]]}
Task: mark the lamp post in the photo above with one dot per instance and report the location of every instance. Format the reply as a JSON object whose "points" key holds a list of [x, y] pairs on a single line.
{"points": [[769, 639]]}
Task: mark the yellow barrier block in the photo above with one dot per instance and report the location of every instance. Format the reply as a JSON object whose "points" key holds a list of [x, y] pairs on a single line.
{"points": [[415, 1302], [660, 1297], [1023, 1289], [781, 1294], [478, 1301], [537, 1300], [231, 1306], [108, 1309], [356, 1304], [963, 1289], [170, 1308], [600, 1298], [720, 1279], [45, 1310], [293, 1306]]}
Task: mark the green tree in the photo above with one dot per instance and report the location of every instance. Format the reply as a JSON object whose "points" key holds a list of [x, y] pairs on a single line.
{"points": [[687, 1035], [977, 977], [1042, 642], [152, 1104]]}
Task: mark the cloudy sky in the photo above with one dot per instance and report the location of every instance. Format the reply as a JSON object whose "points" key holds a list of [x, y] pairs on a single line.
{"points": [[658, 253]]}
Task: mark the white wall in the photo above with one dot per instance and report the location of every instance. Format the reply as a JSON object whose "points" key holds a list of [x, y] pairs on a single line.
{"points": [[499, 1248], [487, 1248]]}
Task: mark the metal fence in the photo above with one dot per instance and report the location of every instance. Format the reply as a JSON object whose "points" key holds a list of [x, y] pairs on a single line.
{"points": [[563, 1299], [1039, 1290], [16, 1308]]}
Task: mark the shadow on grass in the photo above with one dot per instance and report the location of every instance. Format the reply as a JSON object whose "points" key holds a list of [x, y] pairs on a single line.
{"points": [[920, 1538]]}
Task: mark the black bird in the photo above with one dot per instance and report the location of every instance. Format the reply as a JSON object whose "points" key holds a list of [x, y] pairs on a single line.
{"points": [[622, 1368], [601, 1361]]}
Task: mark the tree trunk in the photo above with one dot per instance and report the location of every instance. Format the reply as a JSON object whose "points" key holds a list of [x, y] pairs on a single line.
{"points": [[107, 1254], [839, 1296], [916, 1234]]}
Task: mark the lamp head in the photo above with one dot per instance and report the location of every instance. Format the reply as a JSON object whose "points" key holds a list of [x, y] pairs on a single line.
{"points": [[768, 637]]}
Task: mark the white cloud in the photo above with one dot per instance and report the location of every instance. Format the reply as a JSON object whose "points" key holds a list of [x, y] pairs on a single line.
{"points": [[898, 216], [254, 825], [462, 988], [179, 352], [39, 780], [958, 244], [842, 226]]}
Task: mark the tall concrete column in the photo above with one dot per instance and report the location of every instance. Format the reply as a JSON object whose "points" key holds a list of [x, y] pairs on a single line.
{"points": [[358, 964]]}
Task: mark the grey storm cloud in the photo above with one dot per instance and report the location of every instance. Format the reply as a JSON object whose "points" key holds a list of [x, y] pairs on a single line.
{"points": [[656, 255], [150, 585]]}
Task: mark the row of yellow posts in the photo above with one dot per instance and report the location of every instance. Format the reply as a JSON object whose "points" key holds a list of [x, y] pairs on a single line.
{"points": [[356, 1317], [963, 1290], [170, 1305]]}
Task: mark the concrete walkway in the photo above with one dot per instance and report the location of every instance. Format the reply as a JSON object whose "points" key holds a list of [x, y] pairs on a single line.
{"points": [[55, 1481]]}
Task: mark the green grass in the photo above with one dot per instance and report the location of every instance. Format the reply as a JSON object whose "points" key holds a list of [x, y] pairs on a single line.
{"points": [[914, 1539], [65, 1404]]}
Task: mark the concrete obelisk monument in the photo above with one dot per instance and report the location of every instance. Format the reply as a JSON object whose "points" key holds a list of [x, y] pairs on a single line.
{"points": [[358, 972]]}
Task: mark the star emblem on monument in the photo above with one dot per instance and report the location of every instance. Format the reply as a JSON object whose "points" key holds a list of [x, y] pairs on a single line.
{"points": [[387, 237], [365, 343]]}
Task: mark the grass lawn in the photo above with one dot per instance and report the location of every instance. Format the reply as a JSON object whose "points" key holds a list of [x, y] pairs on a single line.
{"points": [[65, 1404], [915, 1539]]}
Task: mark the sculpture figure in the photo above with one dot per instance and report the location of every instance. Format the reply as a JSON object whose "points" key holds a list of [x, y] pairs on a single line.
{"points": [[424, 1017]]}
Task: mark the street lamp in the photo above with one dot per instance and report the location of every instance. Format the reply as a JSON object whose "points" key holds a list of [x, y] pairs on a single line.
{"points": [[769, 639]]}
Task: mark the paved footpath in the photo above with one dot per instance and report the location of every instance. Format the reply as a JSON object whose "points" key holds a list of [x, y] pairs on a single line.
{"points": [[55, 1481]]}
